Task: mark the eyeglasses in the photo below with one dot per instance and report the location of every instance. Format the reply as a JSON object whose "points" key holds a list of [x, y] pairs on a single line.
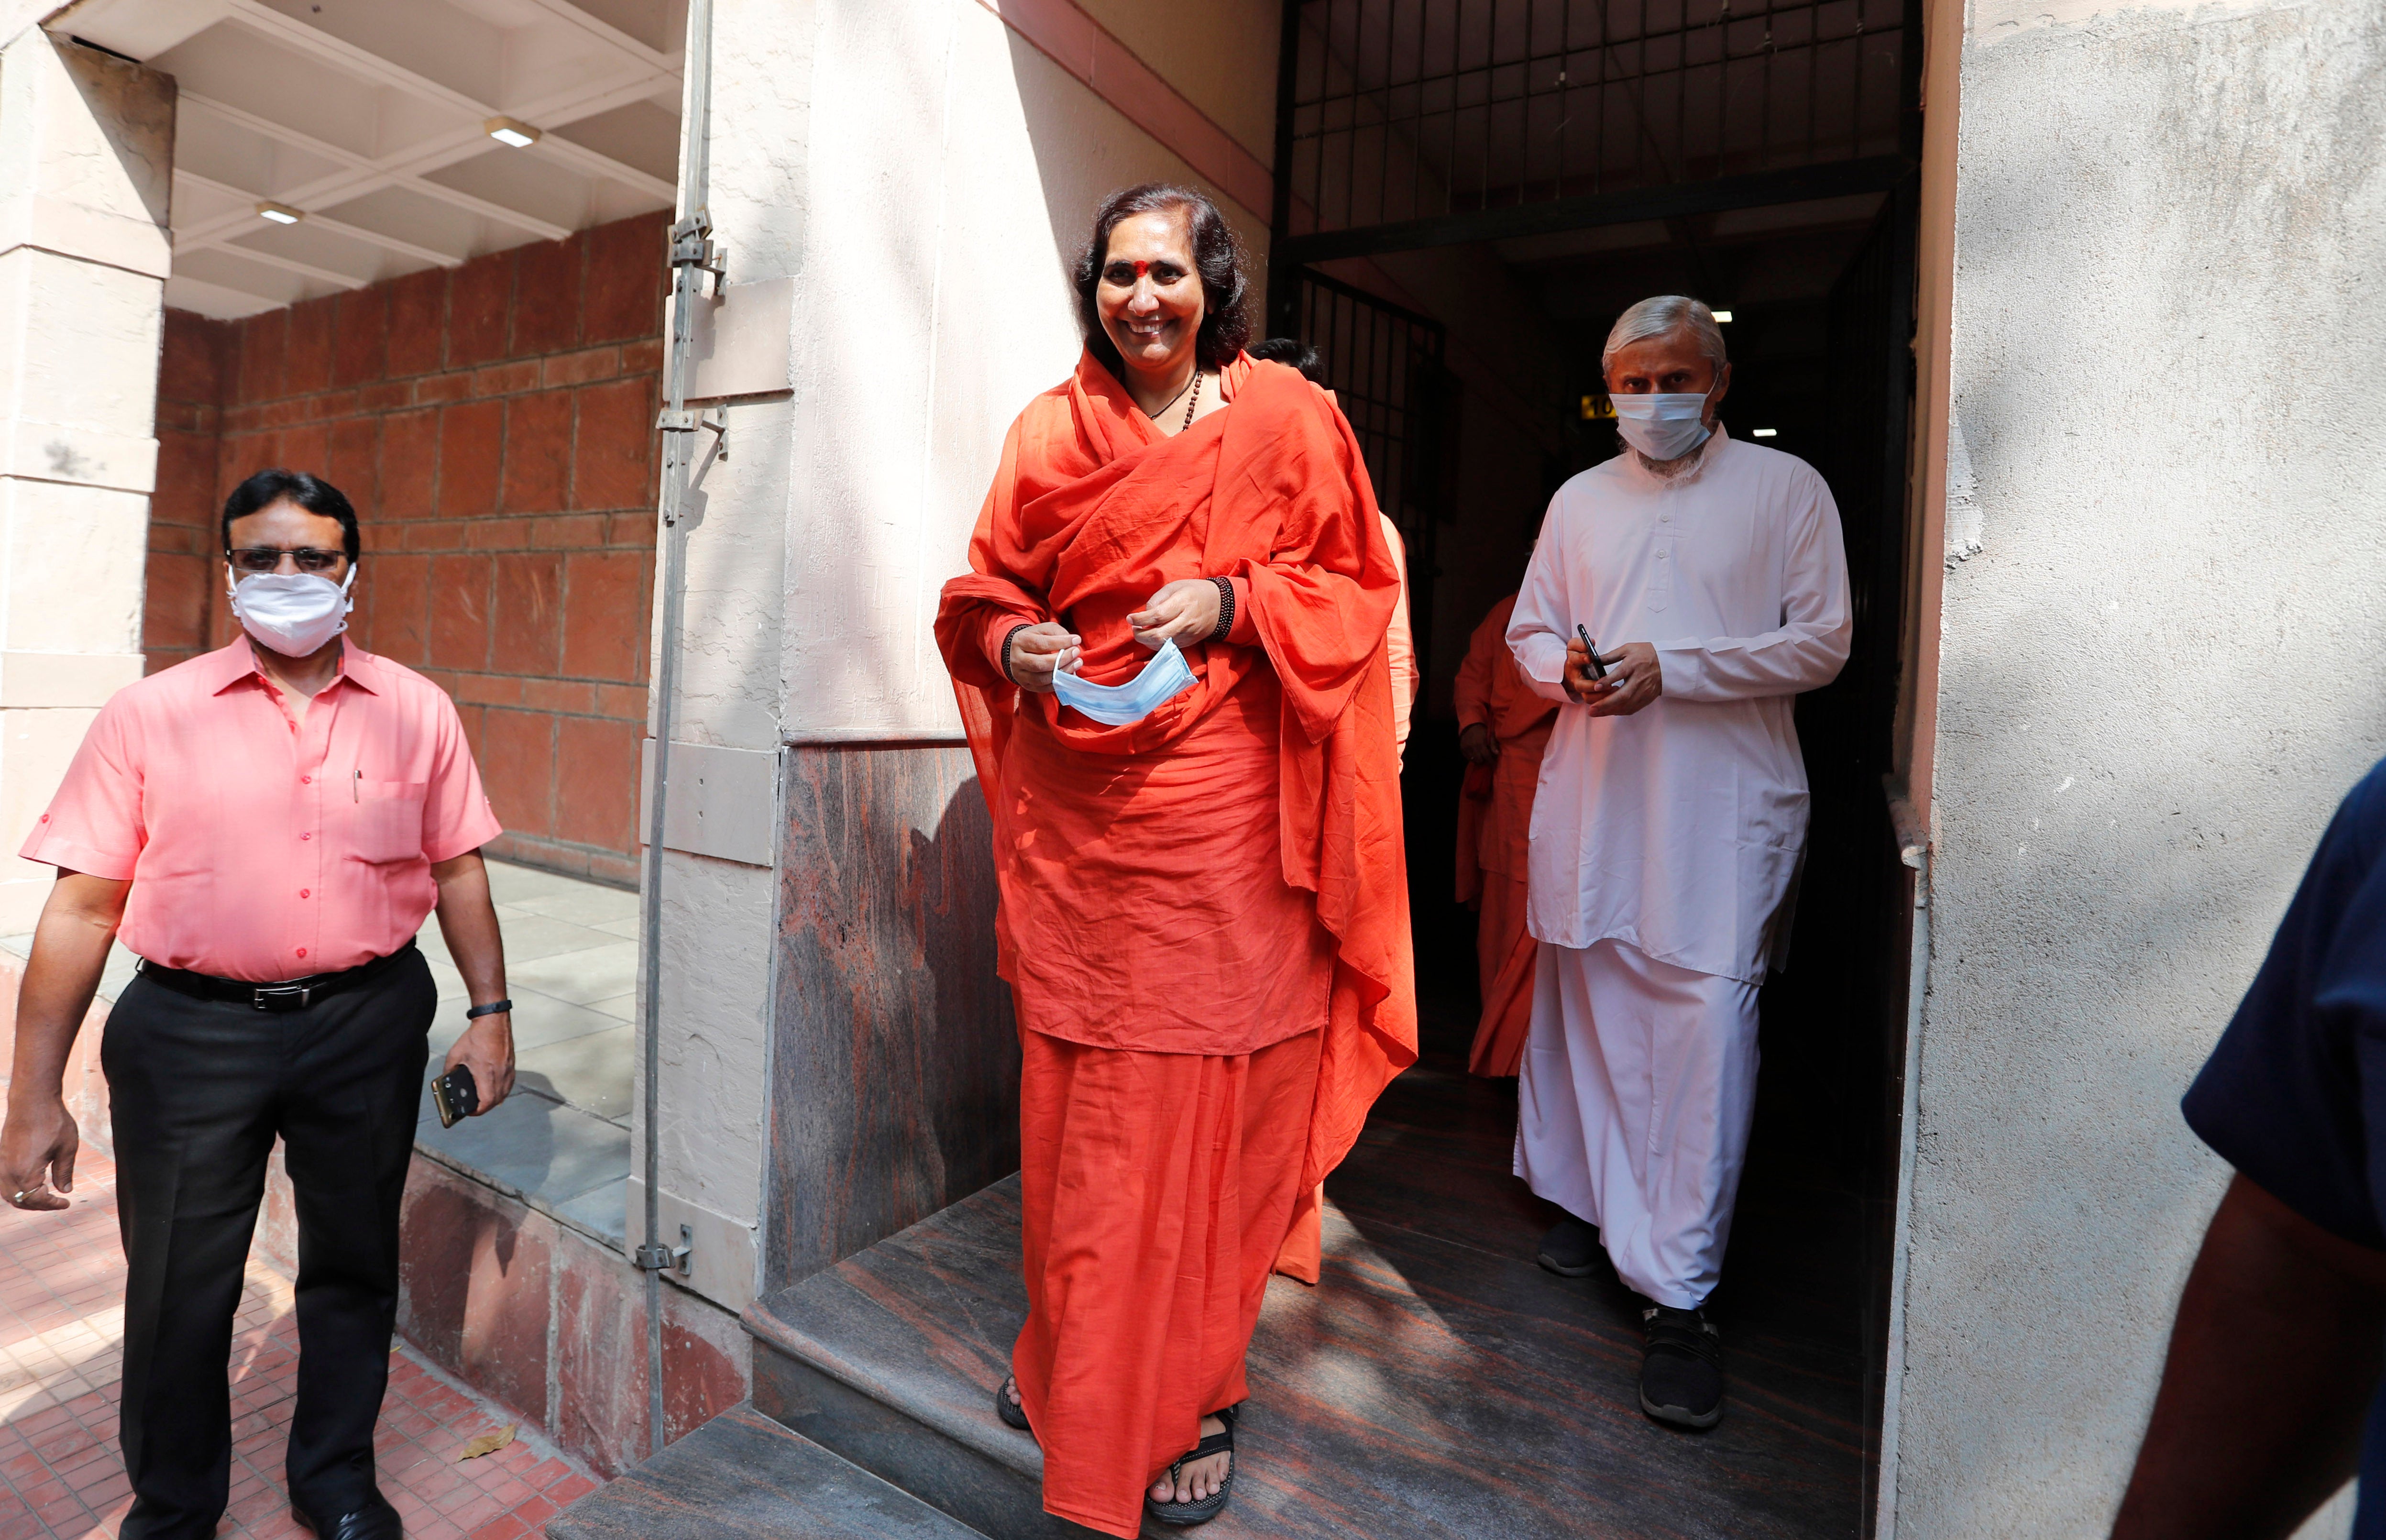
{"points": [[268, 559], [1122, 274]]}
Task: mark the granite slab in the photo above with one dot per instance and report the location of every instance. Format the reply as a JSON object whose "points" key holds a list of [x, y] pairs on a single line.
{"points": [[744, 1477], [591, 1071], [530, 1148], [581, 977], [584, 903]]}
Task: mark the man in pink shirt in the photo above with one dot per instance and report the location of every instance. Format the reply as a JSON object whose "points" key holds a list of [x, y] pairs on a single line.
{"points": [[267, 826]]}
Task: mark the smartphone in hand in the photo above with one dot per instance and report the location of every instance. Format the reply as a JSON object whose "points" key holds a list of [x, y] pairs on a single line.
{"points": [[456, 1095], [1598, 669]]}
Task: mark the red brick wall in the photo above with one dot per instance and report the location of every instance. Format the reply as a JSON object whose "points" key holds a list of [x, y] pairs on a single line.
{"points": [[494, 427], [199, 358]]}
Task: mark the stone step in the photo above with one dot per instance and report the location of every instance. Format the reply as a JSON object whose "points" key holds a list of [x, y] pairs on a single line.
{"points": [[892, 1358], [745, 1475], [1436, 1384]]}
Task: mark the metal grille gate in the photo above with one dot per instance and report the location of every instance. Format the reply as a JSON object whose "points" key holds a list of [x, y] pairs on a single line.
{"points": [[1405, 109], [1384, 365]]}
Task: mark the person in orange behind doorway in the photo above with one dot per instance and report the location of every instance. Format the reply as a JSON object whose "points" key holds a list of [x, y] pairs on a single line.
{"points": [[269, 824], [1669, 824], [1502, 728], [1203, 915]]}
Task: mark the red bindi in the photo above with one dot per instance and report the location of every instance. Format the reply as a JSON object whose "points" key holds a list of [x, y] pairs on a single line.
{"points": [[1141, 268]]}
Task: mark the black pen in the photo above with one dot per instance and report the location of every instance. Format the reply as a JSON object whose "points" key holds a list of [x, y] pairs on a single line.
{"points": [[1597, 670]]}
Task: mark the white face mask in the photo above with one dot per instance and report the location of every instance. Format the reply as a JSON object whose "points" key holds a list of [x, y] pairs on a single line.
{"points": [[1663, 427], [1163, 679], [294, 613]]}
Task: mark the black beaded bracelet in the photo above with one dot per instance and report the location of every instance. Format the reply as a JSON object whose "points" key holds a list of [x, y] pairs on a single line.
{"points": [[1225, 608], [492, 1009], [1009, 637]]}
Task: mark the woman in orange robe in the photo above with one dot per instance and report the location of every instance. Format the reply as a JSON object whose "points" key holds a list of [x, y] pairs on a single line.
{"points": [[1204, 917], [1502, 728]]}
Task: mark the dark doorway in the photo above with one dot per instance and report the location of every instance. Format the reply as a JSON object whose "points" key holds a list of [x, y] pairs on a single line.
{"points": [[1385, 367], [1511, 174]]}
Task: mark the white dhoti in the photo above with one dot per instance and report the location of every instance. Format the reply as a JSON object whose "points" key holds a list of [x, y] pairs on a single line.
{"points": [[1638, 1087]]}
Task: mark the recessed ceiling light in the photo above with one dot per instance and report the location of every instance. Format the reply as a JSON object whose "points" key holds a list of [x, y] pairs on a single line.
{"points": [[511, 131], [1767, 433], [1723, 314], [280, 213]]}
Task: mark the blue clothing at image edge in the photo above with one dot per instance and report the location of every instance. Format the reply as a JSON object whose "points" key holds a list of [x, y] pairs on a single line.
{"points": [[2295, 1096]]}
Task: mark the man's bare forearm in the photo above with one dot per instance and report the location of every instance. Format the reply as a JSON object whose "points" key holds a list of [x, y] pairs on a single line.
{"points": [[468, 920], [2272, 1363], [71, 944]]}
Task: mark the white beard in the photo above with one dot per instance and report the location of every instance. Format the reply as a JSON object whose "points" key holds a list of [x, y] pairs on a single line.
{"points": [[1666, 471]]}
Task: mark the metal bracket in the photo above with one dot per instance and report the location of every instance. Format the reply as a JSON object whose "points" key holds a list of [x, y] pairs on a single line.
{"points": [[651, 1258], [692, 246], [713, 419]]}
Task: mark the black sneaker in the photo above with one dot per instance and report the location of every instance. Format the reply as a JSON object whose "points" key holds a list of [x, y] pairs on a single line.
{"points": [[1681, 1372], [1571, 1248]]}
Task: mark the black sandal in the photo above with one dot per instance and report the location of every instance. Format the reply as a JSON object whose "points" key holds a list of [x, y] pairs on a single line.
{"points": [[1186, 1514], [1013, 1415]]}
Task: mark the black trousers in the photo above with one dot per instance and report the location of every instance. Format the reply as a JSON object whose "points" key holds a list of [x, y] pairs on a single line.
{"points": [[199, 1089]]}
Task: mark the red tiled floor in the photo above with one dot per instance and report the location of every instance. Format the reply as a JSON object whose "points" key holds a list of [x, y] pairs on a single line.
{"points": [[61, 1361]]}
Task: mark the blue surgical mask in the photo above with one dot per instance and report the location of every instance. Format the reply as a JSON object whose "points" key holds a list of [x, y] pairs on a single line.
{"points": [[1665, 426], [1163, 679]]}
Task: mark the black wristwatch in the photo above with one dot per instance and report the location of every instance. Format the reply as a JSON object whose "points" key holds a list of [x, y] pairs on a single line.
{"points": [[490, 1010]]}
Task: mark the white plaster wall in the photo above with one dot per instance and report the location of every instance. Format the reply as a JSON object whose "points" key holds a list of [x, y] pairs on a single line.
{"points": [[953, 165], [86, 145], [2160, 669]]}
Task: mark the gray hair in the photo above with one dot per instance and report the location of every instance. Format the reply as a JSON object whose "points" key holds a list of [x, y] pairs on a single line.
{"points": [[1662, 317]]}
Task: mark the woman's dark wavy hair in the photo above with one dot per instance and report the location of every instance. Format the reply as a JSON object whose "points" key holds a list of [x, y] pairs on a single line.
{"points": [[1217, 256]]}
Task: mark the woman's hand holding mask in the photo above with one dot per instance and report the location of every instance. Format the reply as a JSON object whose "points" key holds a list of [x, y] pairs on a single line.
{"points": [[1183, 611], [1041, 651]]}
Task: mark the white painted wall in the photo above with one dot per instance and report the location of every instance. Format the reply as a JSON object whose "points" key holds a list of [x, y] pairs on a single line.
{"points": [[86, 148], [952, 166], [2160, 668]]}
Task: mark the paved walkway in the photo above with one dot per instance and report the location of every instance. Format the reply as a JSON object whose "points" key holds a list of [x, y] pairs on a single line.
{"points": [[61, 1334], [562, 1143]]}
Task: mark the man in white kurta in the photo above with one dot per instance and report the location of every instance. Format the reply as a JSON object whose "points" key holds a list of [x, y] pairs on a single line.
{"points": [[1665, 842]]}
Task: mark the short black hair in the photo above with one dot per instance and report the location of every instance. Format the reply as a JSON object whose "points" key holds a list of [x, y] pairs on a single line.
{"points": [[1217, 257], [1293, 351], [311, 493]]}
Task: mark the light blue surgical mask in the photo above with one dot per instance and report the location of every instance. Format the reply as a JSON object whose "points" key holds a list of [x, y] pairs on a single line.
{"points": [[1665, 426], [1163, 679]]}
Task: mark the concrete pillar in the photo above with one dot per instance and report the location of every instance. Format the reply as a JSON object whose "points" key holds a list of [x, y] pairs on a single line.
{"points": [[86, 169], [2157, 675], [719, 893]]}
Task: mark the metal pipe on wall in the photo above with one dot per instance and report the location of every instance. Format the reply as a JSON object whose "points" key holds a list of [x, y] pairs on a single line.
{"points": [[692, 255]]}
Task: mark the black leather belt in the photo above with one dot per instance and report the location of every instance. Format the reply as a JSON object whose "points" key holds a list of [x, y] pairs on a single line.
{"points": [[289, 994]]}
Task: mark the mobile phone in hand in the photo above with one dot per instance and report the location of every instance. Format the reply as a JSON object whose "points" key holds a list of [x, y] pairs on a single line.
{"points": [[1598, 669], [456, 1095]]}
